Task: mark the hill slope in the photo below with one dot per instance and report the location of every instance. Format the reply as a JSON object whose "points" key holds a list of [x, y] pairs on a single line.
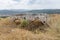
{"points": [[10, 31]]}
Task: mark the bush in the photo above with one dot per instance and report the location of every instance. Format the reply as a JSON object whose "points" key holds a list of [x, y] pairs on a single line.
{"points": [[24, 23]]}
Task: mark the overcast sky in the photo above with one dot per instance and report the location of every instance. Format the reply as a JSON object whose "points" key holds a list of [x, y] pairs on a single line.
{"points": [[29, 4]]}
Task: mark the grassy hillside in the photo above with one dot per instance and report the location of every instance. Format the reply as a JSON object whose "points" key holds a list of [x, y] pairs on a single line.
{"points": [[21, 29]]}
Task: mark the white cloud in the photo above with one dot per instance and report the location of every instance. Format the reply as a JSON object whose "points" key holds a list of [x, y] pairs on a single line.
{"points": [[30, 4]]}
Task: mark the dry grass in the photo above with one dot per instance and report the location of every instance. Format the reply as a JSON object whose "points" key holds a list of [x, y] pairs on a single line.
{"points": [[10, 31]]}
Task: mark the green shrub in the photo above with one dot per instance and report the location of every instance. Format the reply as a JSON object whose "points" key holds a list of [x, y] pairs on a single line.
{"points": [[24, 23]]}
